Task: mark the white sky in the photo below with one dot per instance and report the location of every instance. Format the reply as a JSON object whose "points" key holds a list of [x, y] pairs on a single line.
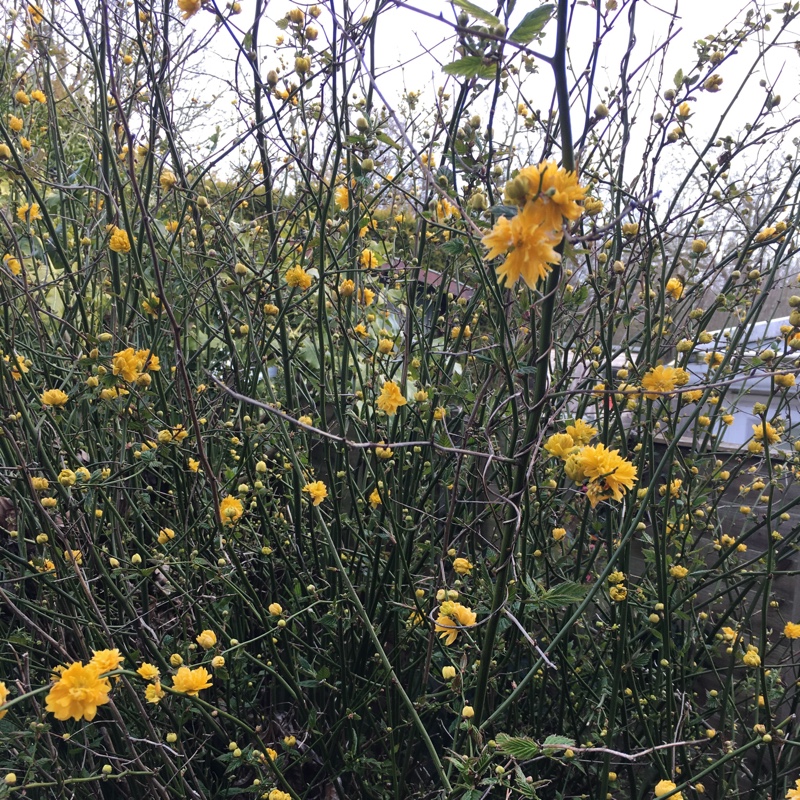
{"points": [[411, 48]]}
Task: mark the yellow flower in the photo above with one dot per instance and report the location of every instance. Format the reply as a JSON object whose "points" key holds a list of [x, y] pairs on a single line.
{"points": [[119, 242], [618, 593], [194, 465], [560, 445], [678, 572], [792, 630], [360, 330], [462, 566], [29, 212], [785, 381], [38, 96], [555, 189], [342, 197], [368, 259], [297, 277], [751, 658], [528, 244], [148, 672], [317, 490], [15, 123], [54, 397], [154, 693], [439, 413], [375, 499], [12, 264], [126, 364], [390, 398], [22, 98], [468, 712], [675, 288], [346, 288], [772, 435], [167, 180], [189, 7], [78, 692], [112, 393], [3, 698], [385, 346], [5, 151], [217, 662], [609, 474], [275, 609], [665, 787], [107, 660], [277, 794], [581, 432], [448, 673], [191, 681], [794, 794], [558, 534], [451, 617], [661, 380], [206, 639], [230, 510]]}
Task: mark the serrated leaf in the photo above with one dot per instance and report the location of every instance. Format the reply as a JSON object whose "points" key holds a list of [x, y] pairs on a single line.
{"points": [[382, 137], [470, 67], [520, 747], [554, 741], [564, 594], [476, 11], [532, 24], [455, 247]]}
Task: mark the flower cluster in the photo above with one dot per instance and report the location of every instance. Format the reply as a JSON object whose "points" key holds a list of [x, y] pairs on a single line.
{"points": [[604, 472], [547, 195]]}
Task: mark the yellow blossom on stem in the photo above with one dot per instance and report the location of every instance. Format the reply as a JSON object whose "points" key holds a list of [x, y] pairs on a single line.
{"points": [[230, 510], [107, 660], [191, 681], [54, 397], [154, 693], [189, 7], [390, 398], [297, 277], [581, 432], [317, 490], [451, 617], [528, 244], [665, 787], [78, 692], [119, 241], [148, 672], [206, 639]]}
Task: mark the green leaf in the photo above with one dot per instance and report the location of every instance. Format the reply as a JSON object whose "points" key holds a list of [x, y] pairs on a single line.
{"points": [[565, 594], [532, 24], [476, 11], [471, 66], [554, 741], [382, 137], [503, 211], [678, 79], [455, 247], [520, 747]]}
